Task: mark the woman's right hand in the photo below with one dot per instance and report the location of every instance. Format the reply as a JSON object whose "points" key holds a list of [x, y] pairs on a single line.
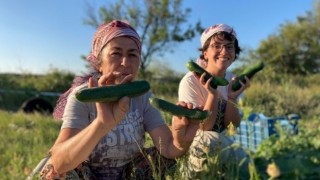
{"points": [[111, 113], [206, 84]]}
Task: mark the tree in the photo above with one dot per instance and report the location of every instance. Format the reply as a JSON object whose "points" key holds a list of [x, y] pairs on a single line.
{"points": [[295, 49], [158, 22]]}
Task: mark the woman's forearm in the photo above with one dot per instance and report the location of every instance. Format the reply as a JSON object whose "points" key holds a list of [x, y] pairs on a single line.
{"points": [[211, 106], [68, 154], [176, 144], [169, 146]]}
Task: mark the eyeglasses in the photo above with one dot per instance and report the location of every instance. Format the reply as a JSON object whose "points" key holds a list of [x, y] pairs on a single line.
{"points": [[218, 47]]}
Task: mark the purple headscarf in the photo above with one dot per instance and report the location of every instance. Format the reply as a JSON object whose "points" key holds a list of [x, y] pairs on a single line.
{"points": [[102, 37]]}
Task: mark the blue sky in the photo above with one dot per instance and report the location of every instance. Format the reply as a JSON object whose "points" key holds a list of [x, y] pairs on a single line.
{"points": [[38, 35]]}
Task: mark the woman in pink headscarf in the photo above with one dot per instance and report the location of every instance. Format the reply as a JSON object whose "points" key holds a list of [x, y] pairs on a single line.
{"points": [[104, 140]]}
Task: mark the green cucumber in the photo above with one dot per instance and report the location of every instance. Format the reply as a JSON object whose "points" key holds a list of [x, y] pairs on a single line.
{"points": [[163, 105], [216, 81], [249, 72], [112, 93]]}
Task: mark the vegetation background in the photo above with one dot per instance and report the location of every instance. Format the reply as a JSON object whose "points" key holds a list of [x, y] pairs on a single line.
{"points": [[26, 138], [288, 84]]}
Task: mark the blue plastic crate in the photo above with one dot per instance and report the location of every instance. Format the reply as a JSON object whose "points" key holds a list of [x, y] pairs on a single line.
{"points": [[259, 127]]}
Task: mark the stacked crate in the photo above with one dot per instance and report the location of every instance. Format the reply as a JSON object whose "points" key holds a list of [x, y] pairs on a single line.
{"points": [[259, 127]]}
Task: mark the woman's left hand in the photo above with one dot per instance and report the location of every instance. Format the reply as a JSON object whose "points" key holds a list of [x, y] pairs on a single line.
{"points": [[184, 129], [234, 94]]}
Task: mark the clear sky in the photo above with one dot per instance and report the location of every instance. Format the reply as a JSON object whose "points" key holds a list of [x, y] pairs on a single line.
{"points": [[38, 35]]}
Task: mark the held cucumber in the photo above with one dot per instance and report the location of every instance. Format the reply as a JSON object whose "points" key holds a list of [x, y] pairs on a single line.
{"points": [[113, 93], [249, 72], [216, 81], [163, 105]]}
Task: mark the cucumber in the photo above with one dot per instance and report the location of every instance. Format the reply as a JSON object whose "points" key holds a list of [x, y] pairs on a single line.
{"points": [[216, 81], [249, 72], [163, 105], [112, 93]]}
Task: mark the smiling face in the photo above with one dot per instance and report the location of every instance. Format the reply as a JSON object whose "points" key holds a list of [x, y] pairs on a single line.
{"points": [[121, 55], [220, 54]]}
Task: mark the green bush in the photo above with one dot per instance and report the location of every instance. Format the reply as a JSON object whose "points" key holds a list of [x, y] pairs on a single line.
{"points": [[53, 81], [275, 99], [297, 157]]}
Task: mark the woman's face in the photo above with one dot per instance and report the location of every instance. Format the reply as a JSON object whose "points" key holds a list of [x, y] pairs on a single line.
{"points": [[220, 54], [120, 55]]}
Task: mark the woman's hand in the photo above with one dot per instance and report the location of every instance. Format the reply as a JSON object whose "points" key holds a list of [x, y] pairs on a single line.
{"points": [[111, 113], [233, 95], [184, 129], [206, 84]]}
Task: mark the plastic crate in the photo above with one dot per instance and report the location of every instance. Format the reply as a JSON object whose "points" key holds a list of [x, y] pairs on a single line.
{"points": [[259, 127]]}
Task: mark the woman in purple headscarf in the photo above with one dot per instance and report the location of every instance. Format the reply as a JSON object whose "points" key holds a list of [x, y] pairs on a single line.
{"points": [[105, 140]]}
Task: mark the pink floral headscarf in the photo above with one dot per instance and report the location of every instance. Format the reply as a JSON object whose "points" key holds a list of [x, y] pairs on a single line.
{"points": [[213, 30], [104, 34]]}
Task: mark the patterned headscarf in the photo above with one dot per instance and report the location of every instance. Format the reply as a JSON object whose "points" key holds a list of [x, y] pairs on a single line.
{"points": [[104, 34], [213, 30]]}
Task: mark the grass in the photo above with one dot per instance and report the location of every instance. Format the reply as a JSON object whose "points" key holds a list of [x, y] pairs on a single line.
{"points": [[24, 140]]}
